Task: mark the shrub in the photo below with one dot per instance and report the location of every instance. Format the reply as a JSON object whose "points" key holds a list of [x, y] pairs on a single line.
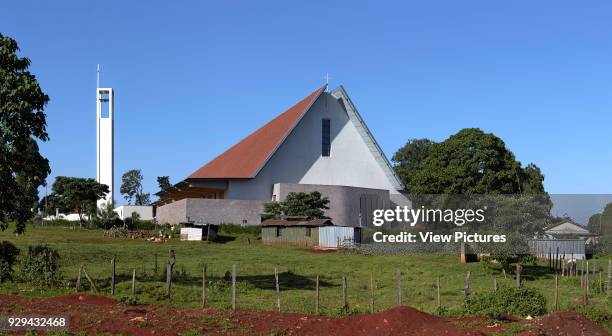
{"points": [[8, 256], [514, 301], [59, 222], [130, 300], [105, 223], [233, 229], [41, 266], [137, 224]]}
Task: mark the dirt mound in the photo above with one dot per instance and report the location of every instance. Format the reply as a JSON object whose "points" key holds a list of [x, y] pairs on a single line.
{"points": [[102, 315], [568, 323], [396, 321]]}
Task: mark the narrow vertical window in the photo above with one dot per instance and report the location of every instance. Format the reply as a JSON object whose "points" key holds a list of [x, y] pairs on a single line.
{"points": [[325, 138]]}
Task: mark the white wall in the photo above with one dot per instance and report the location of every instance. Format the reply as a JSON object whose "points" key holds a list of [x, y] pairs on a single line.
{"points": [[125, 211], [299, 160]]}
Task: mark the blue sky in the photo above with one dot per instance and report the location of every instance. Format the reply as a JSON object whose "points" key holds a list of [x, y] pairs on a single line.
{"points": [[193, 78]]}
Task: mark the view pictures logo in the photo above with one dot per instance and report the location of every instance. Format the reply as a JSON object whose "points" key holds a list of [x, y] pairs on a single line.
{"points": [[410, 216]]}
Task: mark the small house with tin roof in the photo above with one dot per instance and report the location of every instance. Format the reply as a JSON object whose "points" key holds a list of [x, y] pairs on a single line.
{"points": [[316, 232]]}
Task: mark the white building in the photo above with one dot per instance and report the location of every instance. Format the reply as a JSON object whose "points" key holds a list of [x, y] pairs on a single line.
{"points": [[105, 141], [321, 143], [145, 212]]}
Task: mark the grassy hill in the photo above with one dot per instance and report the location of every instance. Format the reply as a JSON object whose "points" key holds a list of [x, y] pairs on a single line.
{"points": [[255, 265]]}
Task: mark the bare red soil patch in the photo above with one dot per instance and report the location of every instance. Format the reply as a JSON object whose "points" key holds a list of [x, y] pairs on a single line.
{"points": [[320, 250], [96, 314], [568, 323]]}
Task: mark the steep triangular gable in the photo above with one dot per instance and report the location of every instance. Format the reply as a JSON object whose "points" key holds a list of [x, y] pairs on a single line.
{"points": [[567, 227], [363, 130], [246, 158]]}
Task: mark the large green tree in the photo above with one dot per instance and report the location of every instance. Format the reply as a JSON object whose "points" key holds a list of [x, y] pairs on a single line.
{"points": [[601, 223], [131, 188], [595, 223], [408, 159], [22, 122], [74, 194], [469, 162]]}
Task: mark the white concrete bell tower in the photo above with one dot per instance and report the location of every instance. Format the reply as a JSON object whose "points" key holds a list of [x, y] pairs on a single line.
{"points": [[105, 109]]}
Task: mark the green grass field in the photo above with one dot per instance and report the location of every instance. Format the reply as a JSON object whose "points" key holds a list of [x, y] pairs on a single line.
{"points": [[255, 264]]}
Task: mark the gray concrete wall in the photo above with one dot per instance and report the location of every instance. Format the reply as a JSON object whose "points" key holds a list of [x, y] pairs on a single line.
{"points": [[348, 206], [211, 211], [172, 213]]}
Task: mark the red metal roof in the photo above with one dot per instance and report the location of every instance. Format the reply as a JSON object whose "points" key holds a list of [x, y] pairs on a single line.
{"points": [[245, 159]]}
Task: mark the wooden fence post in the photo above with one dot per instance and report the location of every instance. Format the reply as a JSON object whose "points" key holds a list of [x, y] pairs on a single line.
{"points": [[398, 277], [155, 264], [609, 276], [113, 276], [601, 285], [204, 287], [594, 277], [133, 281], [586, 277], [169, 267], [585, 298], [556, 292], [519, 268], [93, 284], [495, 284], [438, 298], [466, 288], [345, 306], [278, 303], [234, 286], [78, 282], [317, 296], [371, 293], [504, 273]]}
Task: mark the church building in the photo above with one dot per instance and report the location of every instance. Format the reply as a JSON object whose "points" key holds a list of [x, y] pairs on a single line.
{"points": [[319, 144]]}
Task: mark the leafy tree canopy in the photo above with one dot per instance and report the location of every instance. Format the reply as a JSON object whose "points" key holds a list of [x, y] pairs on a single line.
{"points": [[408, 159], [164, 183], [131, 188], [77, 194], [22, 122], [311, 205], [469, 162], [595, 223], [601, 223]]}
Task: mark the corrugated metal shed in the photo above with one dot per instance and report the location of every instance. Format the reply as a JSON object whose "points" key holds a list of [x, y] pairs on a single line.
{"points": [[568, 248], [336, 236]]}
